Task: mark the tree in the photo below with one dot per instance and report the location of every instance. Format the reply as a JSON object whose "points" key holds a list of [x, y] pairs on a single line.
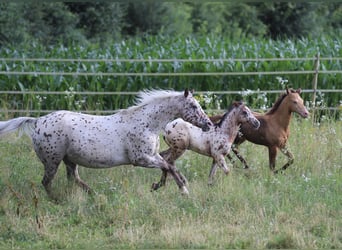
{"points": [[227, 19], [289, 19], [47, 23], [99, 22]]}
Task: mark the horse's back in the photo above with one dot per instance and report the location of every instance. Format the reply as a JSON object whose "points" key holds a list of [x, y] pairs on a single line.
{"points": [[267, 134], [88, 140], [183, 135], [180, 127], [176, 132]]}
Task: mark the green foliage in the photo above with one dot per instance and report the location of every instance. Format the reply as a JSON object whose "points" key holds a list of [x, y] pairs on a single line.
{"points": [[99, 22], [47, 23], [164, 47], [105, 22], [228, 19]]}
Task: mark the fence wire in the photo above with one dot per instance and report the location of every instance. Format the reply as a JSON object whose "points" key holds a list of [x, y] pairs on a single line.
{"points": [[155, 74]]}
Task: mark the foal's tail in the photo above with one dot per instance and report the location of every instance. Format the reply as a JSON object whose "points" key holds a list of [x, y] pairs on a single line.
{"points": [[23, 124]]}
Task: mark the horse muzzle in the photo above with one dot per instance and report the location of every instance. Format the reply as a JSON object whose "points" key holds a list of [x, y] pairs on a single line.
{"points": [[206, 126], [305, 114]]}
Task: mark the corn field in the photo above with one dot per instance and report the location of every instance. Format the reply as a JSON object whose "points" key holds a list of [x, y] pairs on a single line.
{"points": [[110, 69]]}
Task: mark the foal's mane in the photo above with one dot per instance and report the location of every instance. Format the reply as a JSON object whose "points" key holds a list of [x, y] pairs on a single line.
{"points": [[219, 124], [279, 101], [147, 96]]}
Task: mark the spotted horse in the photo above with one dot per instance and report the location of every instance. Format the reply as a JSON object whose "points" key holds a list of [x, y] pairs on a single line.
{"points": [[129, 136]]}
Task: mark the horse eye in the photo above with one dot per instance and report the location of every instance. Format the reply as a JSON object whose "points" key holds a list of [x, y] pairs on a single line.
{"points": [[244, 112]]}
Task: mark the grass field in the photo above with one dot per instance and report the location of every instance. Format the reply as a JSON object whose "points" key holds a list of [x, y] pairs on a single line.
{"points": [[301, 208]]}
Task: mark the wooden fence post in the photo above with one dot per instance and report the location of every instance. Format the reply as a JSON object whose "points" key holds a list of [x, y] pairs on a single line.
{"points": [[314, 87]]}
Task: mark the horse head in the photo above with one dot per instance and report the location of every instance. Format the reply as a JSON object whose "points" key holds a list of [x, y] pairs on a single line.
{"points": [[239, 113], [296, 103], [193, 112], [246, 115]]}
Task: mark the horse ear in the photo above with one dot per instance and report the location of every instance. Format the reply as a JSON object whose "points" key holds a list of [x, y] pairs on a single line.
{"points": [[299, 90], [236, 104], [186, 92]]}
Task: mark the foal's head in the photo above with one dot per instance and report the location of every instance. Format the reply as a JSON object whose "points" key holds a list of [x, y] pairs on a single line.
{"points": [[242, 114], [296, 103], [193, 112]]}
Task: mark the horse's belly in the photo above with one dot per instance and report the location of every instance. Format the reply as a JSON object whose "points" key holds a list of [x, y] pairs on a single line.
{"points": [[101, 157], [200, 144]]}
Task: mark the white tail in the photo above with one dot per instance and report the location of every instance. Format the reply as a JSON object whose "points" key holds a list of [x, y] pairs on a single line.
{"points": [[23, 124]]}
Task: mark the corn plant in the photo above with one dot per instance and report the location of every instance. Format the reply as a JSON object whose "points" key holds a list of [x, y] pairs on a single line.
{"points": [[161, 47]]}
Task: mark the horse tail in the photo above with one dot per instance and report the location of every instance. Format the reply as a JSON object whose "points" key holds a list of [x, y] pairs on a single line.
{"points": [[22, 124]]}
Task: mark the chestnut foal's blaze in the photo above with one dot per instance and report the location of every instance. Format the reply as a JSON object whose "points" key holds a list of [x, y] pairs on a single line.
{"points": [[274, 129]]}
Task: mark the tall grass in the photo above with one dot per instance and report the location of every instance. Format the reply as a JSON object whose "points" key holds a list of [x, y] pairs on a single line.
{"points": [[159, 47], [248, 209]]}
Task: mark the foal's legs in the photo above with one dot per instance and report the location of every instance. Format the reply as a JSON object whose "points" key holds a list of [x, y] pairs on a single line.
{"points": [[290, 157], [272, 154], [72, 175], [235, 149], [212, 173], [239, 156], [218, 160]]}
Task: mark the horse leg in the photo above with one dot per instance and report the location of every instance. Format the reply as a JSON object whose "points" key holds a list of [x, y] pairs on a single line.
{"points": [[218, 160], [169, 156], [50, 171], [158, 162], [166, 154], [230, 158], [272, 154], [162, 181], [212, 173], [236, 152], [290, 157], [178, 177], [72, 175]]}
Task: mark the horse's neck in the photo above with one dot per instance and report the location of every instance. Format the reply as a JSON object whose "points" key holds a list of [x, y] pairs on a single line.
{"points": [[282, 116], [230, 126], [160, 114]]}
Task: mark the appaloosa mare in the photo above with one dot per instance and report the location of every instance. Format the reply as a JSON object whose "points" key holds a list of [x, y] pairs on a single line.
{"points": [[274, 128], [130, 136], [216, 143]]}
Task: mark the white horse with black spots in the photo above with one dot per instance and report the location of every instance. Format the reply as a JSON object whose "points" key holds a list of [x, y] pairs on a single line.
{"points": [[130, 136]]}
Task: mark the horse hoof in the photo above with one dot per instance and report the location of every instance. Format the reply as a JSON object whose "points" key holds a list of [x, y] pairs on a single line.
{"points": [[154, 187], [184, 191]]}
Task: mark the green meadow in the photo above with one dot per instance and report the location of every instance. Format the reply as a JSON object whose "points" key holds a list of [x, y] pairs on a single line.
{"points": [[246, 209], [301, 208]]}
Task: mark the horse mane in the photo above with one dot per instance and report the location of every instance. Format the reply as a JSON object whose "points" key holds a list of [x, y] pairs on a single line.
{"points": [[279, 101], [147, 96], [219, 124]]}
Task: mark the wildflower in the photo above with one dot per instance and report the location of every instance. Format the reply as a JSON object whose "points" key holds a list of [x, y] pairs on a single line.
{"points": [[306, 179]]}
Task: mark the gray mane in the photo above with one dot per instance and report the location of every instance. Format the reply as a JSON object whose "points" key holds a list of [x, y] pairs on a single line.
{"points": [[147, 96]]}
